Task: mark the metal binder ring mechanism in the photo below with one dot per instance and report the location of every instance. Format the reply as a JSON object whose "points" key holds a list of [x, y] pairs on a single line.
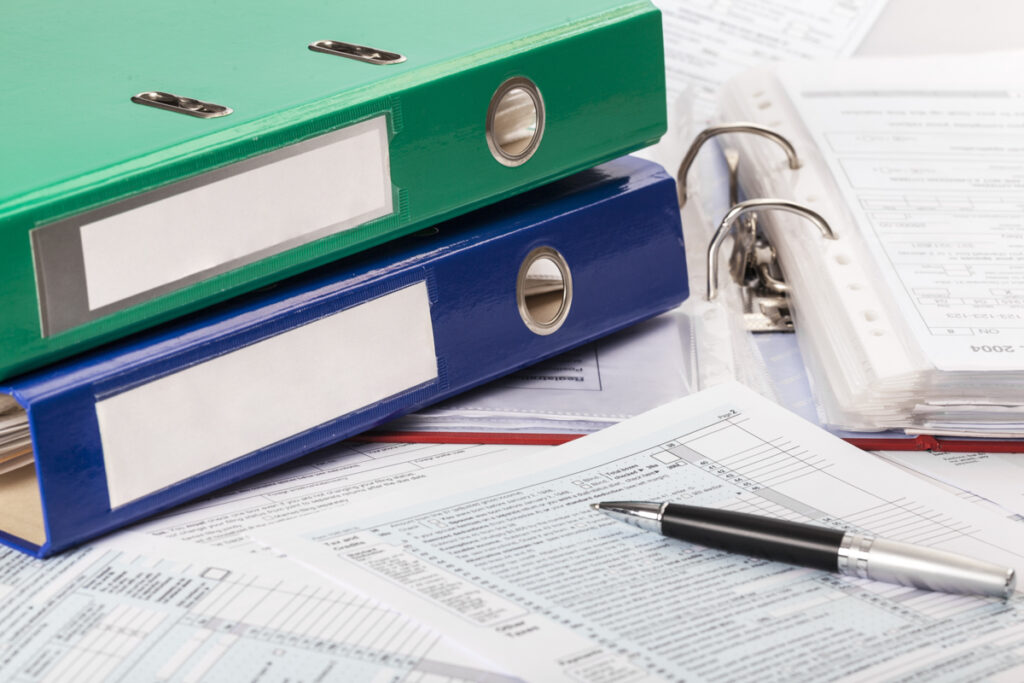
{"points": [[753, 263], [745, 207], [735, 127]]}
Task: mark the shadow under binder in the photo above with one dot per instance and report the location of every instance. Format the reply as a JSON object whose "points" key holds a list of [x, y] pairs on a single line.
{"points": [[177, 412]]}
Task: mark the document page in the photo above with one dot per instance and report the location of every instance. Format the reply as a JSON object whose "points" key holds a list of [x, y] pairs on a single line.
{"points": [[927, 155], [326, 480], [708, 42], [517, 566], [581, 391], [997, 477], [196, 612], [137, 608], [578, 370]]}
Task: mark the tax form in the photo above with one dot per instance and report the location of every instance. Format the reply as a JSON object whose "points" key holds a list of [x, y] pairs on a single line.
{"points": [[137, 608], [329, 479], [996, 477], [709, 41], [515, 565], [163, 602], [928, 158], [578, 392]]}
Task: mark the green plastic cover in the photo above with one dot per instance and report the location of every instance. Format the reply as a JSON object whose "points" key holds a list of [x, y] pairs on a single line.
{"points": [[115, 215]]}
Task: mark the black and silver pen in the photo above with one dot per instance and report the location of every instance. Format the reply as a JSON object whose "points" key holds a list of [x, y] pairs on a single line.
{"points": [[845, 552]]}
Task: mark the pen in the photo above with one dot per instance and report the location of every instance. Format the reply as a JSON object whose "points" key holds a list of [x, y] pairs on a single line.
{"points": [[845, 552]]}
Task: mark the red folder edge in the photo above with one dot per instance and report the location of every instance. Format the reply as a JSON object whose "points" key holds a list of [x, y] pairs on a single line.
{"points": [[917, 443]]}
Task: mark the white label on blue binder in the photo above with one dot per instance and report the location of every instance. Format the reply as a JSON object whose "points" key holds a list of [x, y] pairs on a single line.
{"points": [[334, 183], [178, 426]]}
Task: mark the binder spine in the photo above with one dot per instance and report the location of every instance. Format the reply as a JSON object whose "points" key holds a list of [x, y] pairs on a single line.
{"points": [[147, 424], [436, 153]]}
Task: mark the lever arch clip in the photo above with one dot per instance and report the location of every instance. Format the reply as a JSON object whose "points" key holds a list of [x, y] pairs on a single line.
{"points": [[361, 53], [182, 105], [753, 263]]}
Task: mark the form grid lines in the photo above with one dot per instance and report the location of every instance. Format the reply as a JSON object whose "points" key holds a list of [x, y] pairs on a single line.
{"points": [[769, 463], [359, 629]]}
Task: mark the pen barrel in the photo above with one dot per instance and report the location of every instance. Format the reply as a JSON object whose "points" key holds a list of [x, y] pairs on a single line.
{"points": [[737, 532], [912, 565]]}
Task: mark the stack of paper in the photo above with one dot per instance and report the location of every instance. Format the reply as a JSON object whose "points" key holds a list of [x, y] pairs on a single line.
{"points": [[15, 440], [913, 318], [582, 391]]}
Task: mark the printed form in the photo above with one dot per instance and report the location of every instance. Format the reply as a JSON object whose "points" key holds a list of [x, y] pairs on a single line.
{"points": [[136, 608], [515, 565], [707, 42], [329, 479], [929, 162], [996, 477], [581, 391], [161, 603]]}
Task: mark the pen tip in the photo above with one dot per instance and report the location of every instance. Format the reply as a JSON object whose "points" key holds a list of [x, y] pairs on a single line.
{"points": [[595, 506]]}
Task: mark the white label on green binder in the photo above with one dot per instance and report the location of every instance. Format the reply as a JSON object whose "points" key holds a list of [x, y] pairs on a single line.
{"points": [[338, 183], [181, 425]]}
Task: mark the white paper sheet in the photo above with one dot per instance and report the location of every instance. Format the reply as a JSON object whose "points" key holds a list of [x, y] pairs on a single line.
{"points": [[137, 608], [515, 565], [329, 479], [927, 155], [997, 477], [707, 42], [176, 551], [581, 391]]}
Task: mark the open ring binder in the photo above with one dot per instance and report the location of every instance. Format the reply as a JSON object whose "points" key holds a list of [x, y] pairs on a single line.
{"points": [[910, 328], [748, 206], [734, 127], [753, 263]]}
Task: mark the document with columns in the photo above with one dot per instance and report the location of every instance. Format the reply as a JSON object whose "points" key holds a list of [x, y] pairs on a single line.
{"points": [[514, 563]]}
